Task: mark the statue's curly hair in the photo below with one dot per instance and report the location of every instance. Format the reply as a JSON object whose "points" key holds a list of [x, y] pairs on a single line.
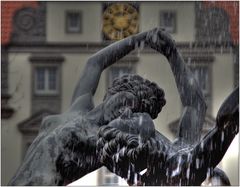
{"points": [[150, 95]]}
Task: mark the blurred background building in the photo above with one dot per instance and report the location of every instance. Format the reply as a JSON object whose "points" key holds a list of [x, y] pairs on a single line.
{"points": [[45, 46]]}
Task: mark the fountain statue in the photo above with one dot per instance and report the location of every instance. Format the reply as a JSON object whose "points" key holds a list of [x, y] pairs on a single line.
{"points": [[186, 161], [119, 133]]}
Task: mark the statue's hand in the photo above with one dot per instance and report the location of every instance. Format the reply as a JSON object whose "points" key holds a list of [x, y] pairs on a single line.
{"points": [[126, 155], [119, 151], [127, 150], [78, 154], [161, 41], [156, 155]]}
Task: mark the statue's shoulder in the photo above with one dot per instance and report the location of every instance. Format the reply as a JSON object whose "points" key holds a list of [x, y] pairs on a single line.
{"points": [[50, 122], [78, 109], [83, 104]]}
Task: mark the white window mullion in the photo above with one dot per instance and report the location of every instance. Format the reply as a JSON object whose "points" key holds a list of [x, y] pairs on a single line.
{"points": [[35, 81], [46, 79]]}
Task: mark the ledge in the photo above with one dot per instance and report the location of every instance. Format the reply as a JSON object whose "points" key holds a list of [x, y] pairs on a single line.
{"points": [[53, 58], [92, 47]]}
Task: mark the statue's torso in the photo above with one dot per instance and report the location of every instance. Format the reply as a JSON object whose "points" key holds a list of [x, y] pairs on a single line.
{"points": [[59, 136]]}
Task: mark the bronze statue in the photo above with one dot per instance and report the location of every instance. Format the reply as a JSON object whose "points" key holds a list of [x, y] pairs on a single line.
{"points": [[65, 148], [187, 160], [70, 145]]}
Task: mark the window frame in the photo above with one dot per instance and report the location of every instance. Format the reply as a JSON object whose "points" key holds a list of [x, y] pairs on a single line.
{"points": [[50, 102], [46, 90], [67, 29], [161, 23]]}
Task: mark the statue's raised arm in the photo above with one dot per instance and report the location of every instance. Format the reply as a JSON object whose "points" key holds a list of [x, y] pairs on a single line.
{"points": [[95, 65], [188, 88]]}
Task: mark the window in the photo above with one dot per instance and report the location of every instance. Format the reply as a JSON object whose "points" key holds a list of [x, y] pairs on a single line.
{"points": [[73, 22], [109, 179], [202, 75], [46, 80], [168, 21]]}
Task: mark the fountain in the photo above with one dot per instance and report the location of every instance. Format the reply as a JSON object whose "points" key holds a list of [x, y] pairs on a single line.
{"points": [[120, 134]]}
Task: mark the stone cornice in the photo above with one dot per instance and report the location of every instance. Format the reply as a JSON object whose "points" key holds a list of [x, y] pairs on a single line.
{"points": [[92, 47], [36, 58]]}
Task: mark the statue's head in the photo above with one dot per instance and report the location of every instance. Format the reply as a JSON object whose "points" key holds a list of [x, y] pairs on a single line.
{"points": [[134, 92]]}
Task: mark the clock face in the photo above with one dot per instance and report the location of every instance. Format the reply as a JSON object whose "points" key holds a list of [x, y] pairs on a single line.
{"points": [[119, 21]]}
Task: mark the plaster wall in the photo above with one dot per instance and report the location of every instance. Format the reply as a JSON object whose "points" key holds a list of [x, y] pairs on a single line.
{"points": [[223, 79], [185, 18], [91, 21], [11, 139]]}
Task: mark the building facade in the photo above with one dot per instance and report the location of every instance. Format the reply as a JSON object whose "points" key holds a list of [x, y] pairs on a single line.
{"points": [[48, 44]]}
